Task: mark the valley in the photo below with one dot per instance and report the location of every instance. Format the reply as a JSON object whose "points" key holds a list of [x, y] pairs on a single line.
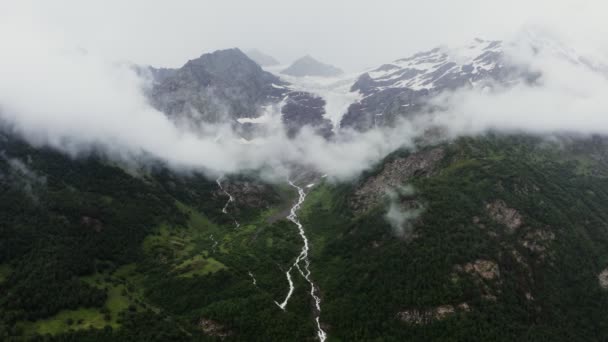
{"points": [[422, 191], [341, 256]]}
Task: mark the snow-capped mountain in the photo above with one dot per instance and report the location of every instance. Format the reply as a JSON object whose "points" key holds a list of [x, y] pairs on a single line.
{"points": [[404, 85], [227, 86]]}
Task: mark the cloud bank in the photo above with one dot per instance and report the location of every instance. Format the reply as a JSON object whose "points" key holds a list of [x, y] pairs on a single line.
{"points": [[74, 101], [568, 97], [55, 94]]}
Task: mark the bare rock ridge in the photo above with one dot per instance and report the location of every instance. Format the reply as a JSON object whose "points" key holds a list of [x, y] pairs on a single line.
{"points": [[501, 213], [308, 66], [405, 85], [225, 86], [422, 317], [261, 58], [228, 85], [393, 175]]}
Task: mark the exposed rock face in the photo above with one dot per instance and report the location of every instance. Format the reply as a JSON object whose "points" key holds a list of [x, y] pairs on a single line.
{"points": [[485, 273], [402, 87], [305, 109], [393, 175], [537, 240], [224, 86], [520, 259], [219, 85], [501, 213], [249, 194], [261, 59], [420, 317], [485, 269], [603, 278], [213, 328], [308, 66]]}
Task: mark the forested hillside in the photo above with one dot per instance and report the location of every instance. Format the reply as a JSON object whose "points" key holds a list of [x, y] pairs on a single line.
{"points": [[499, 238]]}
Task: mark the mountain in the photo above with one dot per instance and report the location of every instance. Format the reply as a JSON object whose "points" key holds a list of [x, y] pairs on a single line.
{"points": [[225, 86], [262, 59], [222, 85], [405, 85], [493, 237], [308, 66], [496, 232]]}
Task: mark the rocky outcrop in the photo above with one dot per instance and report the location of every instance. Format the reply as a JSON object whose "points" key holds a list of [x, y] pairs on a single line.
{"points": [[303, 109], [603, 279], [213, 328], [537, 241], [249, 194], [426, 316], [216, 87], [485, 269], [502, 214], [393, 175]]}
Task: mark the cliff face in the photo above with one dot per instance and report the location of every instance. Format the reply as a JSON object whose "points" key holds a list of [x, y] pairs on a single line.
{"points": [[225, 86]]}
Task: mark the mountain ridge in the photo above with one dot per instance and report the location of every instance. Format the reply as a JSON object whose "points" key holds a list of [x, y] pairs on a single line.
{"points": [[308, 66]]}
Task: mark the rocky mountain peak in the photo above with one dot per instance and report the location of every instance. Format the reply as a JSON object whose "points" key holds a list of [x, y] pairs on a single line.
{"points": [[308, 66], [261, 58], [227, 86], [404, 85], [231, 65]]}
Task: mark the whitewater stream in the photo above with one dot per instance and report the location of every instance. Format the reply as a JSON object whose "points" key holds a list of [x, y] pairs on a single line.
{"points": [[255, 282], [214, 242], [305, 268], [230, 200]]}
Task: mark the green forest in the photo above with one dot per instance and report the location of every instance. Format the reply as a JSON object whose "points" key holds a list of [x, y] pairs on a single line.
{"points": [[92, 250]]}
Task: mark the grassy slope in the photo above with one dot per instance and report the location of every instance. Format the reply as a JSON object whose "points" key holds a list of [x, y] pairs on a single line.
{"points": [[121, 296]]}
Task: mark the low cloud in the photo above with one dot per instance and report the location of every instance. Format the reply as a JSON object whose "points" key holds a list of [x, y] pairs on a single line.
{"points": [[402, 211], [21, 176], [56, 95], [77, 102], [568, 97]]}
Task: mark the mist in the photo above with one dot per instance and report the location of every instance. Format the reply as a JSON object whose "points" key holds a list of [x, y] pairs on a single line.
{"points": [[77, 102], [568, 97], [401, 216], [56, 93], [352, 35]]}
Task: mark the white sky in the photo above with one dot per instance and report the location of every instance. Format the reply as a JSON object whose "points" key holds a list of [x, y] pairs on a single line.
{"points": [[350, 34], [55, 95]]}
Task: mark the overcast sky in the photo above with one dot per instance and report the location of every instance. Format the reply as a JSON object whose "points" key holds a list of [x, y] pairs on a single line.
{"points": [[53, 94], [350, 34]]}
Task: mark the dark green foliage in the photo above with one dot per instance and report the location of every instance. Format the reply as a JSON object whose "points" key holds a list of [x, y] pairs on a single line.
{"points": [[368, 275], [84, 217], [81, 211]]}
